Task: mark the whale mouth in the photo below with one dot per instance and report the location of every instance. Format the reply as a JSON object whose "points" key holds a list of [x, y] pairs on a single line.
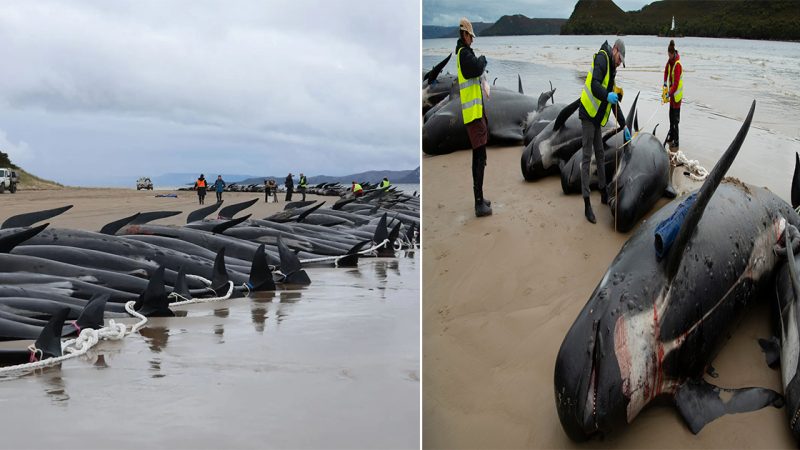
{"points": [[590, 425]]}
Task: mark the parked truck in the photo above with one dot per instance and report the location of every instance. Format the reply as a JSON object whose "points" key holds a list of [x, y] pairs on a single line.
{"points": [[144, 183], [8, 180]]}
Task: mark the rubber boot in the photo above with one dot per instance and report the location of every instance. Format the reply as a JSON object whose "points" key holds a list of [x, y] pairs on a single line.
{"points": [[482, 209], [604, 196], [588, 210]]}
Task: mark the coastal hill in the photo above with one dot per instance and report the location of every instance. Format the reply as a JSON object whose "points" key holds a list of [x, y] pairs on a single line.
{"points": [[27, 181], [372, 176], [519, 25], [437, 32], [747, 19]]}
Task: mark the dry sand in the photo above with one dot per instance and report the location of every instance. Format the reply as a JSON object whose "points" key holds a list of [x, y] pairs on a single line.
{"points": [[94, 207], [500, 293], [332, 365]]}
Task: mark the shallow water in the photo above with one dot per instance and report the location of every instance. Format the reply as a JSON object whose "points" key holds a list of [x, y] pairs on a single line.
{"points": [[722, 78], [334, 365]]}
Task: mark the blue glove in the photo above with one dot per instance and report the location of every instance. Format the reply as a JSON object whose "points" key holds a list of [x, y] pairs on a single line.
{"points": [[613, 98], [627, 134]]}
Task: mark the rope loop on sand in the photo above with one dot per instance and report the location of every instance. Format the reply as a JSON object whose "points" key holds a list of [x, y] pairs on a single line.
{"points": [[80, 345], [695, 170]]}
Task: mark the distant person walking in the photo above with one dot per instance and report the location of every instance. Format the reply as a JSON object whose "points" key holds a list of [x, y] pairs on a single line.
{"points": [[289, 183], [470, 68], [273, 186], [385, 184], [200, 186], [302, 185], [358, 191], [597, 98], [219, 186], [673, 87]]}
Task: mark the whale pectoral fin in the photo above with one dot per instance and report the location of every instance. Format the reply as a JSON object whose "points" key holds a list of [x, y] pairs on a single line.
{"points": [[700, 402], [669, 192], [772, 351]]}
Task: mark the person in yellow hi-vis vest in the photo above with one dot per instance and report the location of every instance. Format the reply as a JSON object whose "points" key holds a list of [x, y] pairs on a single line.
{"points": [[673, 87], [598, 99], [470, 68]]}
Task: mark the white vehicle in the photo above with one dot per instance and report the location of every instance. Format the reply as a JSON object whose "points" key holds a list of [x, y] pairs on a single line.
{"points": [[8, 180], [144, 183]]}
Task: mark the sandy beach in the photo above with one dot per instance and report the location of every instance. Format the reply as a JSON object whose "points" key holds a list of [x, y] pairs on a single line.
{"points": [[333, 365], [500, 293]]}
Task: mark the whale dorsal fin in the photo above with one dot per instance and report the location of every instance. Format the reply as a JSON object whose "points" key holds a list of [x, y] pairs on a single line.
{"points": [[305, 213], [49, 341], [231, 210], [704, 196], [565, 113], [260, 273], [28, 219], [219, 274], [219, 229], [437, 69], [154, 301], [519, 84], [201, 213], [111, 228], [10, 239], [634, 114]]}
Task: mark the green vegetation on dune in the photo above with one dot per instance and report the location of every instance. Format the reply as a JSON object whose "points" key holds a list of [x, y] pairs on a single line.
{"points": [[748, 19], [28, 181]]}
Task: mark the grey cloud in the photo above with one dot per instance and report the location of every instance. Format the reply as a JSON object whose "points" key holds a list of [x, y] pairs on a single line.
{"points": [[345, 74]]}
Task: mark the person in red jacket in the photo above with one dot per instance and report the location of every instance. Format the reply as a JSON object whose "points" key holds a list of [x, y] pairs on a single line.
{"points": [[673, 85]]}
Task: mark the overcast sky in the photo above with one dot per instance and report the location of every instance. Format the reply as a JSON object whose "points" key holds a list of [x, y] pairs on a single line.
{"points": [[447, 12], [99, 92]]}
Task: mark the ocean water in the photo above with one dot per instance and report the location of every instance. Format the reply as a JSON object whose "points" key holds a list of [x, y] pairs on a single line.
{"points": [[721, 79]]}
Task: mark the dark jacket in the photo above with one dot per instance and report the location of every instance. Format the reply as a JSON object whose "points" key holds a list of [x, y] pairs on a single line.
{"points": [[599, 73], [219, 185], [289, 182], [471, 66]]}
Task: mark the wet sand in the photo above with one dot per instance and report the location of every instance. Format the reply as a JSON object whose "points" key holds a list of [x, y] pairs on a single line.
{"points": [[500, 293], [333, 365]]}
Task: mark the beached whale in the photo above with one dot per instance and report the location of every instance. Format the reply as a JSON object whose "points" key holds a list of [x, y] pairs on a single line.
{"points": [[506, 112], [785, 348], [651, 326], [641, 179], [558, 141]]}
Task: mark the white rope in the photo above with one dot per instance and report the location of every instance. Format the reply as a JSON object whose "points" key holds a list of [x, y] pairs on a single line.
{"points": [[696, 171], [201, 300], [87, 339], [337, 258]]}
